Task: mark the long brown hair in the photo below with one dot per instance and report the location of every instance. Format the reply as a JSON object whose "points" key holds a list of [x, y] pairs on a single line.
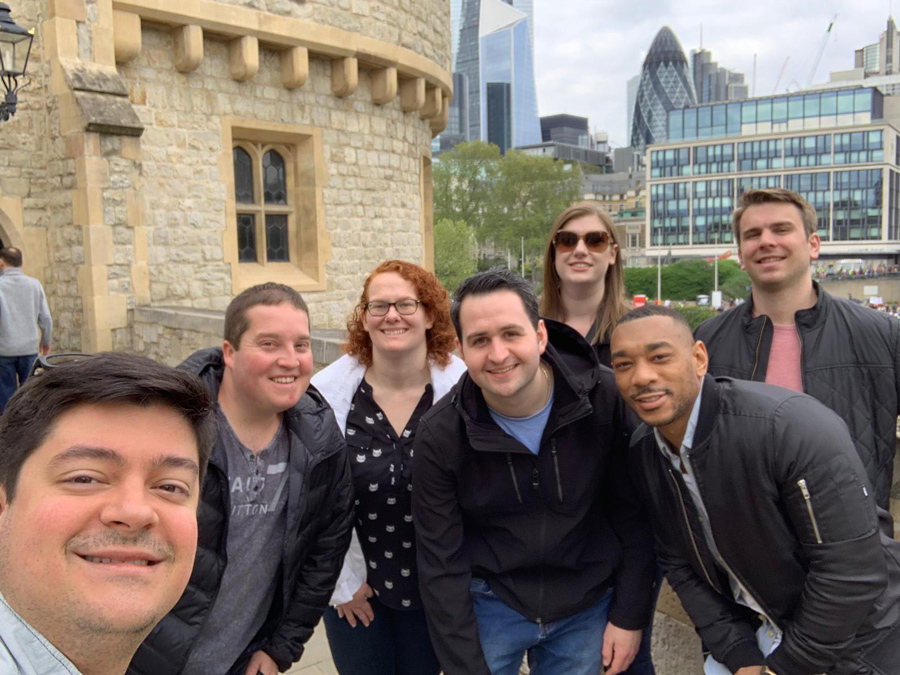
{"points": [[613, 306], [440, 339]]}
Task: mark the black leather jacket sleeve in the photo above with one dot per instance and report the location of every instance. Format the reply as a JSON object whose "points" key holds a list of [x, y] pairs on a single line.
{"points": [[321, 566], [444, 570], [828, 500]]}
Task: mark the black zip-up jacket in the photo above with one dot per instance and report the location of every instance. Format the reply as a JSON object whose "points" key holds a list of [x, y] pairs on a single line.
{"points": [[550, 533], [317, 534], [793, 517], [850, 361]]}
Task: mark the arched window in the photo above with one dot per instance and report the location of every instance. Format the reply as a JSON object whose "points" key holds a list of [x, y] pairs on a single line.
{"points": [[263, 203]]}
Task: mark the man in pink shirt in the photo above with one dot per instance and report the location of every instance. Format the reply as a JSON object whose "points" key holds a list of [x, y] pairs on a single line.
{"points": [[792, 334]]}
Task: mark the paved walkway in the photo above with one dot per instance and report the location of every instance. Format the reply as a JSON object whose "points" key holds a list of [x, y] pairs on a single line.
{"points": [[316, 658]]}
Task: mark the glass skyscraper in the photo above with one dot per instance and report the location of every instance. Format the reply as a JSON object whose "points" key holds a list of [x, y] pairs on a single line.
{"points": [[665, 85], [496, 59]]}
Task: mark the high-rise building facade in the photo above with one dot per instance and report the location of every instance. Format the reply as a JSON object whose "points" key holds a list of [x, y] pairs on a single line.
{"points": [[836, 147], [665, 85], [496, 58], [569, 129], [631, 89], [712, 83]]}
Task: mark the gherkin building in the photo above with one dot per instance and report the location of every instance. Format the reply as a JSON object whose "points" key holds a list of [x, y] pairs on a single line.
{"points": [[665, 85]]}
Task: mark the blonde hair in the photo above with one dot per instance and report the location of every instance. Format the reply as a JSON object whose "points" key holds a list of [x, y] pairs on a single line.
{"points": [[613, 306]]}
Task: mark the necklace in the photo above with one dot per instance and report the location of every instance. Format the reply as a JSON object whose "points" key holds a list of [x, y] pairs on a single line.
{"points": [[548, 381]]}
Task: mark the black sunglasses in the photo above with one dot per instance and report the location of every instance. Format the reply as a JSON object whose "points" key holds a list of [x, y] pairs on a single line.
{"points": [[566, 241]]}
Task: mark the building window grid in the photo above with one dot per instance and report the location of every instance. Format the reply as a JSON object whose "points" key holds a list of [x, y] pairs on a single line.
{"points": [[670, 163], [816, 189], [670, 214], [859, 147], [709, 159], [264, 210], [713, 205], [803, 151], [812, 111], [857, 205], [759, 155], [894, 207], [757, 183]]}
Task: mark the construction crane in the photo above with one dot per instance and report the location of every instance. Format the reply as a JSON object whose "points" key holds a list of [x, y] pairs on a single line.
{"points": [[821, 52], [781, 74]]}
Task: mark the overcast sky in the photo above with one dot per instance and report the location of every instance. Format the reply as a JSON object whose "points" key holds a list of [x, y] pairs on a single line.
{"points": [[586, 50]]}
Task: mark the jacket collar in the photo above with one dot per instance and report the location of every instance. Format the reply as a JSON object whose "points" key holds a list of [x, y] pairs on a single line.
{"points": [[709, 410], [806, 318], [570, 402]]}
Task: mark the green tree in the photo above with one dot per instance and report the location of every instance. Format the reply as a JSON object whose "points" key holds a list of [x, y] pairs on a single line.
{"points": [[503, 198], [464, 180], [454, 252]]}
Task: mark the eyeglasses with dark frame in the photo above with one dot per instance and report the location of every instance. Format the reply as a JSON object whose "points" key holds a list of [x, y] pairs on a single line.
{"points": [[406, 306], [596, 242]]}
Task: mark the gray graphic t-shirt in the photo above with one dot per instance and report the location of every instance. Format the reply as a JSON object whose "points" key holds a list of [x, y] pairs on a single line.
{"points": [[256, 522]]}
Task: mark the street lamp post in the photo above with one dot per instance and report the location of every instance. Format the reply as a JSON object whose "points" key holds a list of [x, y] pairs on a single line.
{"points": [[15, 48]]}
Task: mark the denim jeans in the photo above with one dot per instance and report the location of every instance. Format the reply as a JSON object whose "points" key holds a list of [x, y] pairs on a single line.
{"points": [[395, 643], [13, 372], [570, 646]]}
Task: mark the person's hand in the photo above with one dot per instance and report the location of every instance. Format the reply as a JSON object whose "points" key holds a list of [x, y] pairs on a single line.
{"points": [[45, 349], [620, 646], [261, 662], [358, 608], [751, 670]]}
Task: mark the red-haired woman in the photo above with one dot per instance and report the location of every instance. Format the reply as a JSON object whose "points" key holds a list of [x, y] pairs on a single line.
{"points": [[398, 364]]}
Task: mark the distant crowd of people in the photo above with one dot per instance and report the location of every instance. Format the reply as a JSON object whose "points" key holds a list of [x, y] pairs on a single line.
{"points": [[476, 482]]}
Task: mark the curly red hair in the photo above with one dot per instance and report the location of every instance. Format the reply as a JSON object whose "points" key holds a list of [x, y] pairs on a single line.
{"points": [[440, 339]]}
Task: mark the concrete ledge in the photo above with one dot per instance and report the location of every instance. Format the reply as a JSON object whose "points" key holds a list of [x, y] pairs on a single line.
{"points": [[326, 344]]}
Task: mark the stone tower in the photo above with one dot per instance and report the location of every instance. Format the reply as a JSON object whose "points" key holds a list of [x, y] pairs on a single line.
{"points": [[170, 153]]}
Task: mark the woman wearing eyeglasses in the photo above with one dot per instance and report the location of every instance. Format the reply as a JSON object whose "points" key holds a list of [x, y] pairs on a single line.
{"points": [[584, 282], [398, 364]]}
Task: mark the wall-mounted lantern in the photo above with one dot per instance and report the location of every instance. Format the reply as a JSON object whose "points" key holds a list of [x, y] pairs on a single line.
{"points": [[15, 48]]}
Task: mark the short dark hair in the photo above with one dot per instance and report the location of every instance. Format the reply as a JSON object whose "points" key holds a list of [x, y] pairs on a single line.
{"points": [[269, 293], [491, 281], [108, 377], [774, 196], [647, 311], [11, 256]]}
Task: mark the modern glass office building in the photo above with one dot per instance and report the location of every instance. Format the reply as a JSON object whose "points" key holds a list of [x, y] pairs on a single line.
{"points": [[496, 58], [833, 147], [665, 85]]}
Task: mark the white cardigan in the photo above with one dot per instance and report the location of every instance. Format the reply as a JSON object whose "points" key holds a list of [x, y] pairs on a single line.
{"points": [[338, 384]]}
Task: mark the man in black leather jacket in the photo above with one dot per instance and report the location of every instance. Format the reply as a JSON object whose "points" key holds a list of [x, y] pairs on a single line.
{"points": [[765, 522], [793, 334], [276, 507]]}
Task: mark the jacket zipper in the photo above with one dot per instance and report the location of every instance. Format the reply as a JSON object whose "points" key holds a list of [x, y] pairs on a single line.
{"points": [[809, 508], [690, 530], [556, 467], [512, 473], [758, 345]]}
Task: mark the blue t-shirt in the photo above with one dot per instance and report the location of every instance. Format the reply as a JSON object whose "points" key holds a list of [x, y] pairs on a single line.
{"points": [[527, 430]]}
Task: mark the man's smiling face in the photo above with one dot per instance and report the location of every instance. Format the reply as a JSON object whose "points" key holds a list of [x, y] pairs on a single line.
{"points": [[101, 534]]}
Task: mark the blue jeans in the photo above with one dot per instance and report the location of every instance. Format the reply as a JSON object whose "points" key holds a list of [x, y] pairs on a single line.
{"points": [[13, 368], [395, 643], [570, 646], [643, 662]]}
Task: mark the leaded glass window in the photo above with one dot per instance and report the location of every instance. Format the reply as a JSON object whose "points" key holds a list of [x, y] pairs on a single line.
{"points": [[264, 207]]}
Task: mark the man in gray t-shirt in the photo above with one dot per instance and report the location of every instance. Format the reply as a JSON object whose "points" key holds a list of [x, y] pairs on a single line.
{"points": [[276, 511], [258, 490]]}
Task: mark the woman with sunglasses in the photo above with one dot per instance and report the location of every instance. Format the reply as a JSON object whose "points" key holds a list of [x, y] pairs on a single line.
{"points": [[584, 282], [398, 364], [584, 287]]}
